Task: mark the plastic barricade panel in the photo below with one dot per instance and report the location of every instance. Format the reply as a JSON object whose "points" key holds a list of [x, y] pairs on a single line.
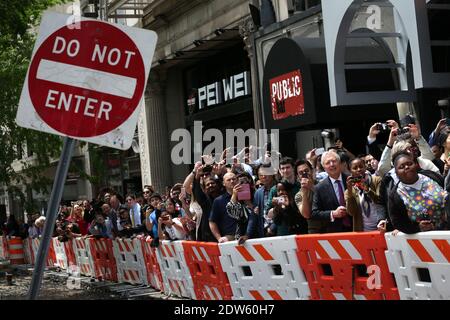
{"points": [[129, 261], [70, 255], [51, 256], [209, 279], [421, 264], [337, 266], [154, 276], [103, 259], [264, 269], [15, 248], [83, 257], [4, 253], [60, 254], [175, 272]]}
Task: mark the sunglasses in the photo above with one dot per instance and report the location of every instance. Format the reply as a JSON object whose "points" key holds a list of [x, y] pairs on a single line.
{"points": [[146, 191]]}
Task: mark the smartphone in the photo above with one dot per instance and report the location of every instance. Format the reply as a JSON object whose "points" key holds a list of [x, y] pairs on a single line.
{"points": [[319, 151], [207, 168], [244, 194], [447, 121], [280, 200]]}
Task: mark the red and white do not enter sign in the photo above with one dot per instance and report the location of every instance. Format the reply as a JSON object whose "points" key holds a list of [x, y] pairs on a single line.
{"points": [[86, 81]]}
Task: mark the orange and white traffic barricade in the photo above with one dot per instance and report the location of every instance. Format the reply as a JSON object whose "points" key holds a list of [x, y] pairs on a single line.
{"points": [[83, 257], [51, 255], [129, 261], [60, 254], [70, 254], [35, 243], [421, 264], [4, 253], [210, 281], [16, 253], [175, 272], [103, 259], [154, 276], [264, 269], [346, 266]]}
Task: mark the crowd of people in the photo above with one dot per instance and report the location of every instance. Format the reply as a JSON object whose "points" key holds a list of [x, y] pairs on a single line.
{"points": [[400, 185]]}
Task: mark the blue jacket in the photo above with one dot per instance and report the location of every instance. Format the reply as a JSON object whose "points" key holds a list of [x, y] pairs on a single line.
{"points": [[255, 228]]}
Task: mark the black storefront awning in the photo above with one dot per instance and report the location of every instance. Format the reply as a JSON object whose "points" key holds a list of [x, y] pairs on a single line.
{"points": [[296, 91]]}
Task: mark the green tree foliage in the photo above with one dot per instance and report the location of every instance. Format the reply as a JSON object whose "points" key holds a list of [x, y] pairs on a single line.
{"points": [[18, 19]]}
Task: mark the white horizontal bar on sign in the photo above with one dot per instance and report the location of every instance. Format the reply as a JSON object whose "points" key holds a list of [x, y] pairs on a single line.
{"points": [[86, 78]]}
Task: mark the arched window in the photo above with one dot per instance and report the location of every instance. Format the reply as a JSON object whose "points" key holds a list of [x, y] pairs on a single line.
{"points": [[390, 57]]}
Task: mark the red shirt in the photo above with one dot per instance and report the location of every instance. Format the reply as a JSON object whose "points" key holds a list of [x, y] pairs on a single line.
{"points": [[81, 224]]}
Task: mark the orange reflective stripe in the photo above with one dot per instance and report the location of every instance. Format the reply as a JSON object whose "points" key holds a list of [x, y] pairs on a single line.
{"points": [[213, 293], [165, 251], [169, 250], [256, 295], [444, 247], [420, 250], [340, 249], [321, 251], [274, 295], [263, 252], [200, 253], [244, 252], [127, 246]]}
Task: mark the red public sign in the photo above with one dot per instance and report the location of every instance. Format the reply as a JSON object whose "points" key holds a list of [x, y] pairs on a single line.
{"points": [[286, 93], [86, 81]]}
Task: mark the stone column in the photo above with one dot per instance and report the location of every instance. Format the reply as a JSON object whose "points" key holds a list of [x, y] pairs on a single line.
{"points": [[144, 149], [246, 30], [155, 153]]}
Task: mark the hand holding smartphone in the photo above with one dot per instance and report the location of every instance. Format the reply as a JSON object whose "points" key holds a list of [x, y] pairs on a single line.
{"points": [[244, 194], [319, 151], [447, 121]]}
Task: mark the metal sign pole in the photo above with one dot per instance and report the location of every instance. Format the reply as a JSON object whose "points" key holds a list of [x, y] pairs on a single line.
{"points": [[55, 199]]}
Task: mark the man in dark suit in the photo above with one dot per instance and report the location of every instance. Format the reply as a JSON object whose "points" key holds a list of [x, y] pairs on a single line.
{"points": [[329, 201]]}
